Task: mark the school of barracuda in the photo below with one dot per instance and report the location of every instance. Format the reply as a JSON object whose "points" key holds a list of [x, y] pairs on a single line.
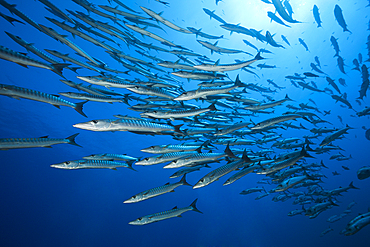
{"points": [[219, 120]]}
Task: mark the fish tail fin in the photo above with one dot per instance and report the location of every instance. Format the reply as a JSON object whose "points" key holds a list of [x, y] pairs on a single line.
{"points": [[212, 107], [245, 156], [130, 163], [79, 106], [72, 141], [183, 181], [322, 164], [352, 186], [238, 83], [194, 207], [305, 154], [177, 128], [228, 152], [58, 67], [287, 97], [258, 56]]}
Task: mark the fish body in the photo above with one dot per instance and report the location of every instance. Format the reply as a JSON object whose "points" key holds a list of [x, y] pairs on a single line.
{"points": [[198, 75], [136, 126], [275, 120], [281, 10], [213, 15], [159, 18], [285, 39], [199, 157], [157, 191], [162, 158], [273, 17], [64, 40], [13, 143], [91, 164], [204, 92], [365, 81], [204, 35], [19, 92], [217, 49], [340, 19], [316, 15], [23, 60], [335, 135], [111, 157], [271, 41], [227, 67], [246, 170], [303, 43], [175, 212]]}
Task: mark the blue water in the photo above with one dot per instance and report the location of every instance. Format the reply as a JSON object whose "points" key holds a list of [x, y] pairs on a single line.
{"points": [[43, 206]]}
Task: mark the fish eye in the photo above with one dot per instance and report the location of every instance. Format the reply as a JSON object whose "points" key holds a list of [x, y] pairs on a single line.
{"points": [[140, 218], [95, 121], [67, 163], [146, 159], [134, 197]]}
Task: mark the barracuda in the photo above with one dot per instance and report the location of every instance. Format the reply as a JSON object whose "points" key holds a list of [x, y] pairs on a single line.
{"points": [[231, 129], [328, 139], [110, 157], [12, 143], [91, 164], [275, 120], [120, 12], [177, 114], [157, 191], [159, 18], [240, 174], [82, 35], [91, 97], [198, 75], [215, 48], [19, 92], [64, 40], [277, 166], [227, 67], [135, 126], [289, 183], [267, 105], [199, 157], [152, 91], [65, 57], [23, 60], [175, 212], [176, 65], [222, 171], [107, 82], [162, 158], [161, 149], [187, 170], [204, 92], [151, 35]]}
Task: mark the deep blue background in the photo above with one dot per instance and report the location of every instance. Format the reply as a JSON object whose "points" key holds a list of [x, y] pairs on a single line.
{"points": [[42, 206]]}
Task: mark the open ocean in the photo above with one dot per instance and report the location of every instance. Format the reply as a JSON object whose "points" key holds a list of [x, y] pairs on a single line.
{"points": [[45, 206]]}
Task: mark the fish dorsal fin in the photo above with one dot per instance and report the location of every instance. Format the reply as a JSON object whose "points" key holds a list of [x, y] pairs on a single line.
{"points": [[160, 13], [217, 62], [215, 43], [44, 137], [175, 207], [167, 183]]}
